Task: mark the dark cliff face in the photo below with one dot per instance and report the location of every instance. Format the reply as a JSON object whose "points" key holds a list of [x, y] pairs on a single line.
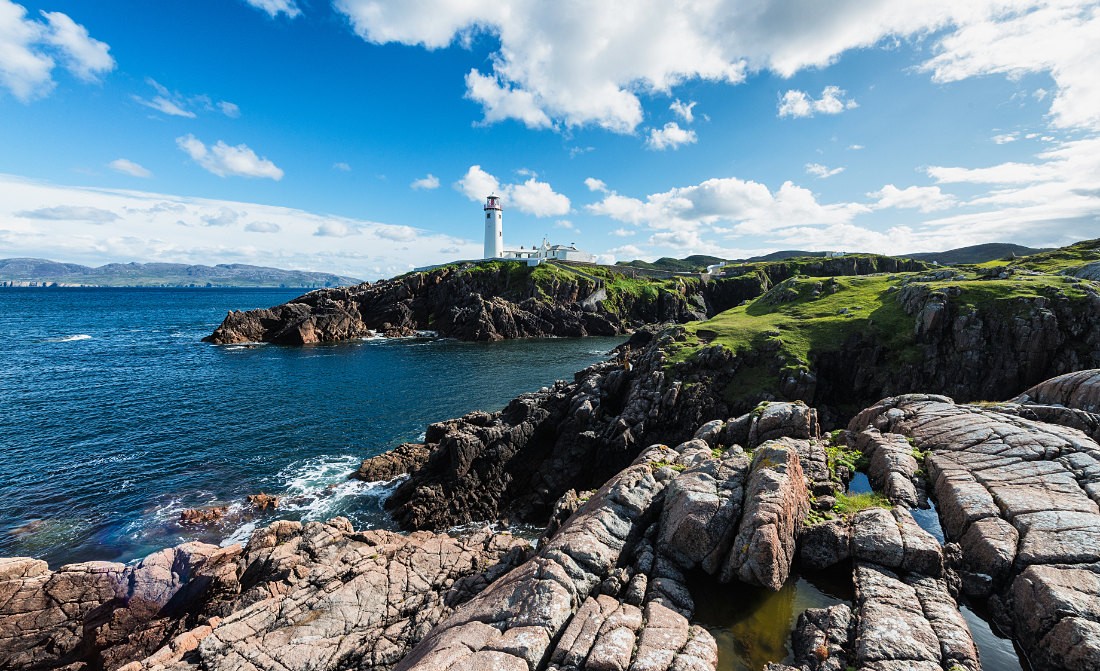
{"points": [[496, 301]]}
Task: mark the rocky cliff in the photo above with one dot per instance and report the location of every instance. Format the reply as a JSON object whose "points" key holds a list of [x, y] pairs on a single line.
{"points": [[498, 300]]}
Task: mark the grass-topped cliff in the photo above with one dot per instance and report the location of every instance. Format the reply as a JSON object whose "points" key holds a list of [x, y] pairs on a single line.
{"points": [[961, 330], [494, 300]]}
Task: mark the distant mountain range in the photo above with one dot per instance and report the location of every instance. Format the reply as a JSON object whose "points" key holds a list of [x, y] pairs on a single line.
{"points": [[42, 272], [973, 254]]}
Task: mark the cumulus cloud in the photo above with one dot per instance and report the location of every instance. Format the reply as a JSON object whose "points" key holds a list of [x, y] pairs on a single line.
{"points": [[571, 63], [821, 171], [531, 196], [800, 104], [128, 167], [750, 206], [426, 183], [224, 160], [276, 7], [262, 227], [91, 215], [923, 198], [669, 137], [594, 184], [30, 50], [683, 110]]}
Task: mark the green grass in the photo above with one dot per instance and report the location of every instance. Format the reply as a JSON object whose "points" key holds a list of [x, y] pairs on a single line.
{"points": [[850, 504], [790, 317], [1061, 259]]}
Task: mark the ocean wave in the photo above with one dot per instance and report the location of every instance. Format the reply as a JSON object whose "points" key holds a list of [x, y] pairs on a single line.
{"points": [[71, 338]]}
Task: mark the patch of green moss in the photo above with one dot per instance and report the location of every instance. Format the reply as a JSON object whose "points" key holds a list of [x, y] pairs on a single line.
{"points": [[850, 504]]}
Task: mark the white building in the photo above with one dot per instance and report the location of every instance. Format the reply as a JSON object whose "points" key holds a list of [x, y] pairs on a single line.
{"points": [[494, 242], [494, 228]]}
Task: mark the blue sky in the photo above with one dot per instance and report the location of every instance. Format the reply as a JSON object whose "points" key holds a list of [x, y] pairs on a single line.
{"points": [[358, 136]]}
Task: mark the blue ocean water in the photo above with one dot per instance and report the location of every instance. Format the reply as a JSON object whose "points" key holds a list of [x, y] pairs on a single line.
{"points": [[114, 417]]}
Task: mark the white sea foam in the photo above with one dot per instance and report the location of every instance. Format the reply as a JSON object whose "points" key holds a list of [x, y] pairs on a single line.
{"points": [[71, 338], [319, 487]]}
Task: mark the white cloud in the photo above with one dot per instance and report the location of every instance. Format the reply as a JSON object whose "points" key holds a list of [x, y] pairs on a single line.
{"points": [[623, 232], [682, 240], [174, 103], [262, 227], [751, 206], [800, 104], [224, 160], [571, 63], [1057, 37], [627, 252], [476, 184], [276, 7], [142, 226], [225, 216], [683, 110], [532, 196], [231, 110], [855, 147], [341, 166], [128, 167], [537, 198], [81, 213], [821, 171], [923, 198], [335, 229], [669, 137], [1005, 138], [566, 224], [85, 57], [594, 184], [29, 51], [427, 183]]}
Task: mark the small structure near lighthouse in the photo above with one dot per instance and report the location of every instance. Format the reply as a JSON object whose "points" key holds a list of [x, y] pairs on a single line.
{"points": [[494, 228], [494, 241]]}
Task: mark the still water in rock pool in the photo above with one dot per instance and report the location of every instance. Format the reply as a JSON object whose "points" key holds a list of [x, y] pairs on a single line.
{"points": [[114, 417]]}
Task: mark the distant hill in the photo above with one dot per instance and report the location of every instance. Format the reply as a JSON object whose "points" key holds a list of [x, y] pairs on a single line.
{"points": [[993, 251], [977, 253], [42, 272], [690, 264]]}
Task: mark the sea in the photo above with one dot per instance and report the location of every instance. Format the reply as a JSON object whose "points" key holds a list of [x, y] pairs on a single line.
{"points": [[115, 417]]}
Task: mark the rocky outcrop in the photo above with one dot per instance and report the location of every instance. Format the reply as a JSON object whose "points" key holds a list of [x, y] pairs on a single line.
{"points": [[469, 302], [518, 462], [296, 597], [99, 613], [494, 301], [1020, 497]]}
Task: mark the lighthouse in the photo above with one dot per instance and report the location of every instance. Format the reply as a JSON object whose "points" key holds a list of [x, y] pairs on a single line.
{"points": [[494, 228]]}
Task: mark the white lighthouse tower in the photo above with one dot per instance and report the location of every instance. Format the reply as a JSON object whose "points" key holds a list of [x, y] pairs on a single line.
{"points": [[494, 228]]}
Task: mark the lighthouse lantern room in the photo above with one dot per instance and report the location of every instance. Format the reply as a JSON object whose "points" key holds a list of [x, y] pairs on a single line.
{"points": [[494, 228]]}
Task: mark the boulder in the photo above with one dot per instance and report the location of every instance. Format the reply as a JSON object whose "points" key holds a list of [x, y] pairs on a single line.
{"points": [[776, 504]]}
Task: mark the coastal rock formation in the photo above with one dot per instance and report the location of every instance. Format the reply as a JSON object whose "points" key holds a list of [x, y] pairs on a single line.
{"points": [[469, 302], [1020, 496], [499, 300], [296, 597]]}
